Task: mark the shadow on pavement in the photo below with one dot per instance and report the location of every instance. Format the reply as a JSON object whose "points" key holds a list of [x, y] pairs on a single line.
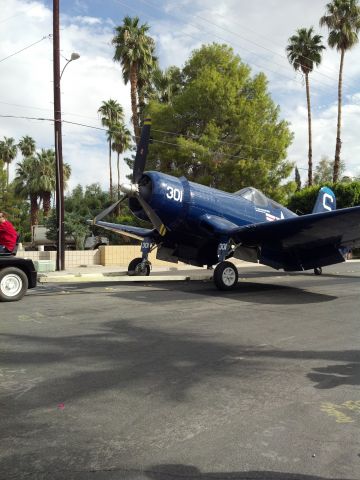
{"points": [[167, 472], [336, 375], [261, 293], [152, 361]]}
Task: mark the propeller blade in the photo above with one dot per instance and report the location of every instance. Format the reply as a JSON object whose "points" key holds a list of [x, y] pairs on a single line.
{"points": [[155, 219], [142, 151], [105, 212]]}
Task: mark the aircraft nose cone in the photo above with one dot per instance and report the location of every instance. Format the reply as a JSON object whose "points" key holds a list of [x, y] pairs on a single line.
{"points": [[129, 188]]}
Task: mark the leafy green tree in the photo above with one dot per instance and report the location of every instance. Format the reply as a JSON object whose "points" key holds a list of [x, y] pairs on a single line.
{"points": [[8, 151], [112, 114], [134, 50], [222, 128], [74, 226], [304, 51], [342, 18], [347, 195], [324, 171]]}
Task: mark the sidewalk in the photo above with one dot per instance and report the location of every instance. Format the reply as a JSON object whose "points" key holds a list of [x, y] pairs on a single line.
{"points": [[100, 273]]}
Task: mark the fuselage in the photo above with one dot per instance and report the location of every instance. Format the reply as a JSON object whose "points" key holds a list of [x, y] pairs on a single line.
{"points": [[183, 205]]}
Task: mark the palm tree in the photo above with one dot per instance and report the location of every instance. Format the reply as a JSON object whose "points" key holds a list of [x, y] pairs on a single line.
{"points": [[122, 141], [36, 179], [26, 185], [134, 49], [27, 146], [166, 84], [304, 51], [111, 114], [8, 151], [47, 181], [342, 19]]}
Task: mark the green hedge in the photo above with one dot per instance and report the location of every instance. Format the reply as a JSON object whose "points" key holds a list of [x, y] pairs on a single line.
{"points": [[347, 195]]}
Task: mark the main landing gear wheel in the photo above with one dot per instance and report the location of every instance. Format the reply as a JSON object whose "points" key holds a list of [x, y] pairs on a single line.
{"points": [[13, 284], [318, 270], [137, 267], [225, 276]]}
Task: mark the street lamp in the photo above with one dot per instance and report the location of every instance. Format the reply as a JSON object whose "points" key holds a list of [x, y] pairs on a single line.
{"points": [[60, 241], [74, 56]]}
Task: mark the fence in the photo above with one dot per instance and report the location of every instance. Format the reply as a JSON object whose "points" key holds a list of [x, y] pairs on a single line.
{"points": [[106, 255]]}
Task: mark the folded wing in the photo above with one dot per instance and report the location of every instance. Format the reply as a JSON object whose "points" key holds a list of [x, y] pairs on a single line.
{"points": [[304, 242], [127, 230]]}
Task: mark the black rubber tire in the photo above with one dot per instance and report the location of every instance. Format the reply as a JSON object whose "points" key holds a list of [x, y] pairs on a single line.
{"points": [[134, 268], [13, 284], [318, 271], [225, 276]]}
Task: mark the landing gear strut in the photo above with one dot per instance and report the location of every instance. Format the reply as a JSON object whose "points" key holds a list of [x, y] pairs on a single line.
{"points": [[141, 266], [138, 267]]}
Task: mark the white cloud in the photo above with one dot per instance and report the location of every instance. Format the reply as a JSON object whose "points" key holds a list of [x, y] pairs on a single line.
{"points": [[258, 31], [26, 87]]}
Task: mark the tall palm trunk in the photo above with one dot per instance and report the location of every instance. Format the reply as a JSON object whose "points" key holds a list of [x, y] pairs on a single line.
{"points": [[134, 106], [310, 165], [7, 174], [46, 198], [34, 209], [338, 130], [110, 171], [118, 175], [118, 183]]}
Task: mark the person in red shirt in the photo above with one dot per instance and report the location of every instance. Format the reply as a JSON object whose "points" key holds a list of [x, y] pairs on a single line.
{"points": [[8, 235]]}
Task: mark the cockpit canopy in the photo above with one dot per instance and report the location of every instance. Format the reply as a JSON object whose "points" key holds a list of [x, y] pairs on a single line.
{"points": [[258, 198]]}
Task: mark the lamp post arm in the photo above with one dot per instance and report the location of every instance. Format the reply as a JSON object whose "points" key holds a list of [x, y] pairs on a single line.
{"points": [[66, 64]]}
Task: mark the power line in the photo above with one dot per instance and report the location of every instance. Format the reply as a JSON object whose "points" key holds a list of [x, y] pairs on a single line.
{"points": [[251, 63], [31, 107], [25, 48], [260, 46], [223, 142], [154, 140], [239, 46]]}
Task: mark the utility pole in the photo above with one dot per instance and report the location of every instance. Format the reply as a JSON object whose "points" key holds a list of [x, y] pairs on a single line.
{"points": [[60, 254]]}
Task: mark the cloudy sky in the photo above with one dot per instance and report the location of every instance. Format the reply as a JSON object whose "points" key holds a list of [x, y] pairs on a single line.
{"points": [[258, 31]]}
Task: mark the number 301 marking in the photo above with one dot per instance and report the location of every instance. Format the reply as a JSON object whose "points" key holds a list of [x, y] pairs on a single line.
{"points": [[174, 194]]}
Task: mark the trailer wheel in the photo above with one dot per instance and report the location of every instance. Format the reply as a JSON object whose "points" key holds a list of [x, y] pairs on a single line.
{"points": [[13, 284]]}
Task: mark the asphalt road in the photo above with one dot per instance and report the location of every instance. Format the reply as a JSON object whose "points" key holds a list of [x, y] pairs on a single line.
{"points": [[169, 381]]}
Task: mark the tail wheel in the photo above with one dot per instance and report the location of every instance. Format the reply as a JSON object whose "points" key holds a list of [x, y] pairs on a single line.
{"points": [[318, 270], [13, 284], [138, 267], [225, 276]]}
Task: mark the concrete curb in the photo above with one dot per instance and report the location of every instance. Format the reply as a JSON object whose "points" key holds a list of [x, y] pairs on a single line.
{"points": [[122, 278]]}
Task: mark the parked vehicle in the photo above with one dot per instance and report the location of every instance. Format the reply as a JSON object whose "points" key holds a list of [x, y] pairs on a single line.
{"points": [[16, 276], [39, 238]]}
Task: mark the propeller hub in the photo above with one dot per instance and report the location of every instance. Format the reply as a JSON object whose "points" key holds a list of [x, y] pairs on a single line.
{"points": [[129, 188]]}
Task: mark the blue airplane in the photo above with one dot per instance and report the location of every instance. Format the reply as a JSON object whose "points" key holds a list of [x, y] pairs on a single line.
{"points": [[204, 226]]}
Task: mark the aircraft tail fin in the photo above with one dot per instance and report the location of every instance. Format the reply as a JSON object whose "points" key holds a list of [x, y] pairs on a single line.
{"points": [[325, 202]]}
